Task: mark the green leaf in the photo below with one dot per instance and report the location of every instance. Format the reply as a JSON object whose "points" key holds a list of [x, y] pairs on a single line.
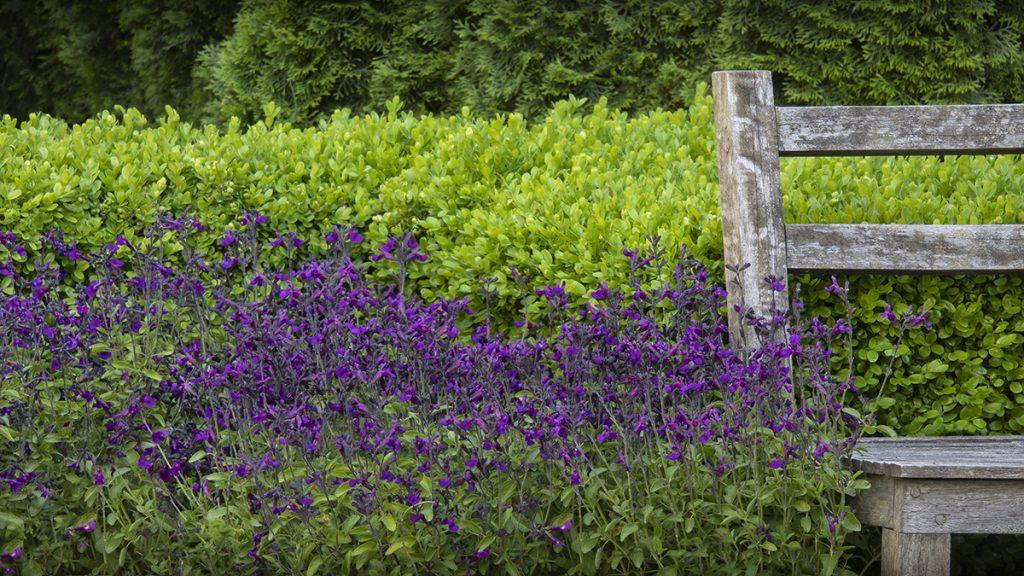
{"points": [[852, 412], [395, 547], [389, 522], [314, 565], [805, 524], [627, 530], [108, 542], [218, 477], [215, 513], [11, 521], [851, 522], [486, 542], [364, 549]]}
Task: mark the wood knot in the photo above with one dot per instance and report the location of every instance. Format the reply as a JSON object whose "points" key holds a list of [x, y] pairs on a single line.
{"points": [[941, 519]]}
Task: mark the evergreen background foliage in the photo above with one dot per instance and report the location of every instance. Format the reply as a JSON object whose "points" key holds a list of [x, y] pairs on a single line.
{"points": [[214, 60], [74, 58]]}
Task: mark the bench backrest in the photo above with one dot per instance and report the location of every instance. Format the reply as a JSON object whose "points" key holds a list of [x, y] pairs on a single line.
{"points": [[752, 133]]}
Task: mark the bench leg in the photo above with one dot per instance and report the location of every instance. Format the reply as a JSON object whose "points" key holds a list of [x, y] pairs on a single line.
{"points": [[914, 554]]}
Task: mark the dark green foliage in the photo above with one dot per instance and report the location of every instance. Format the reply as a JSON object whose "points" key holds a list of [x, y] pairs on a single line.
{"points": [[441, 55], [88, 52], [878, 51], [163, 38], [25, 76], [309, 57], [523, 55], [640, 55], [75, 58]]}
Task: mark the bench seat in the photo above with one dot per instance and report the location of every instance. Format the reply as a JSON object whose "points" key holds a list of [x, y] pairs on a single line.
{"points": [[924, 489], [949, 457]]}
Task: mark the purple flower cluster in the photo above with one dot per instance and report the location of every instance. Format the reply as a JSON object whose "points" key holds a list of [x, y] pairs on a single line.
{"points": [[321, 396]]}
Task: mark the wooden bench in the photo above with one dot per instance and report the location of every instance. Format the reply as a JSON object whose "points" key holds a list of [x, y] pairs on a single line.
{"points": [[922, 489]]}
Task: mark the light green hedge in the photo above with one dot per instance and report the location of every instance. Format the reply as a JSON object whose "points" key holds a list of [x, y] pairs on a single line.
{"points": [[558, 198]]}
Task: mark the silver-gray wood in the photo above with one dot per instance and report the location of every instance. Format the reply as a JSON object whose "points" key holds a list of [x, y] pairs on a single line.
{"points": [[751, 193], [915, 554], [946, 457], [922, 489], [900, 130], [905, 249]]}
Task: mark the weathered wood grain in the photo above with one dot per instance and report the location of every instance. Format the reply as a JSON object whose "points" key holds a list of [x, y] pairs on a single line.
{"points": [[950, 457], [946, 505], [915, 554], [897, 130], [874, 506], [751, 195], [894, 248]]}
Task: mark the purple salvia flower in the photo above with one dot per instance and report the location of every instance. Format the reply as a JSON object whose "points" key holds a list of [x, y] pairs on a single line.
{"points": [[228, 239]]}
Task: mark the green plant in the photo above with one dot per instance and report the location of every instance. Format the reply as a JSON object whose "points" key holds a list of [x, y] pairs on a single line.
{"points": [[75, 58], [889, 52], [183, 417], [223, 59], [557, 198], [511, 55]]}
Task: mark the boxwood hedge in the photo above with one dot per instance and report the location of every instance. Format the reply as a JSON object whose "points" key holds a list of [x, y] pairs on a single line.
{"points": [[557, 198]]}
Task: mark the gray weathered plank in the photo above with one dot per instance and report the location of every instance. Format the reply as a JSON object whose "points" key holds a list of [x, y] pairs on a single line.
{"points": [[891, 130], [905, 248], [950, 457], [874, 506], [751, 194], [945, 505], [915, 554]]}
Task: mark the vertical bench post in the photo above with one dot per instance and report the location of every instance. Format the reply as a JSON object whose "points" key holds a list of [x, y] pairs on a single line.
{"points": [[748, 177], [749, 133], [906, 554]]}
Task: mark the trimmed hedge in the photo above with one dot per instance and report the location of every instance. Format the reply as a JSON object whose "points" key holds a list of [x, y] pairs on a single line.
{"points": [[559, 199]]}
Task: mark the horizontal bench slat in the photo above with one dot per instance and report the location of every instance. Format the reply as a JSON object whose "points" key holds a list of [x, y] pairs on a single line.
{"points": [[902, 248], [898, 130], [948, 457], [962, 506]]}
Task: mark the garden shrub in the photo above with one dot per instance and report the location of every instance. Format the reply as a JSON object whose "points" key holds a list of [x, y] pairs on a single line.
{"points": [[215, 60], [439, 56], [74, 58], [511, 55], [888, 52], [558, 199], [211, 414]]}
